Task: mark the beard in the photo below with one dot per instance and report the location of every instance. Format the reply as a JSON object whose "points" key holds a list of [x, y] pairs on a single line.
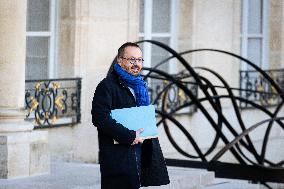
{"points": [[135, 70], [132, 69]]}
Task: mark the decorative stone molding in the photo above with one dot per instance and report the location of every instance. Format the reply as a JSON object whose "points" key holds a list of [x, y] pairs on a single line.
{"points": [[12, 120]]}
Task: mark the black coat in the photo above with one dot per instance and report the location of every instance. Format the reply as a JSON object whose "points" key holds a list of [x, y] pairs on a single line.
{"points": [[118, 163]]}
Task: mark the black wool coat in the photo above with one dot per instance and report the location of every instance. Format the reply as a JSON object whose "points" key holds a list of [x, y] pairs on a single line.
{"points": [[118, 163]]}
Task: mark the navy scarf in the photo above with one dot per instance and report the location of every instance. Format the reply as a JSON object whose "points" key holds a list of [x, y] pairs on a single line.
{"points": [[136, 83]]}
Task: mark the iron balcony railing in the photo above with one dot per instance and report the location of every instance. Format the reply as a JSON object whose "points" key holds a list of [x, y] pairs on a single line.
{"points": [[53, 102], [257, 89], [164, 94]]}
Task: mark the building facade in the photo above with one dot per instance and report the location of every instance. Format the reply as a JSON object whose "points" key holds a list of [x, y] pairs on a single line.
{"points": [[55, 39]]}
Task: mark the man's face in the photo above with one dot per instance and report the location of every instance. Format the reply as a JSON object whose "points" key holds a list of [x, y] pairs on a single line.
{"points": [[131, 61]]}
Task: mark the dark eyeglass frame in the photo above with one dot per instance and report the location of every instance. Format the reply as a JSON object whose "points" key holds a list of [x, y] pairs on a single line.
{"points": [[133, 60]]}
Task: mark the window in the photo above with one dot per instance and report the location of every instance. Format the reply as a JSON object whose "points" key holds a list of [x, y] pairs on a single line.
{"points": [[40, 39], [255, 32], [158, 22]]}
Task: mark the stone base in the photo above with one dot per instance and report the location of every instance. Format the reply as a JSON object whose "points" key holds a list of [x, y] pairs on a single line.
{"points": [[24, 154]]}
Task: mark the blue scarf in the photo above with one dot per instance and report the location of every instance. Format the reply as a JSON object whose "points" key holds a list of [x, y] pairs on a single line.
{"points": [[136, 83]]}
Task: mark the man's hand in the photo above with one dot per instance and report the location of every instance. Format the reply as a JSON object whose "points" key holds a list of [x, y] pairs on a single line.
{"points": [[138, 139]]}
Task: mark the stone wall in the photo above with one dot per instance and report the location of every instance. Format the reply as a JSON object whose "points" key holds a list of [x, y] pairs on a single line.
{"points": [[276, 31]]}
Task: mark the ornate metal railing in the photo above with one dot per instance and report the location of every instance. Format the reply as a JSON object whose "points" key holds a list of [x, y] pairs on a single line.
{"points": [[53, 102], [233, 136], [162, 89], [258, 89]]}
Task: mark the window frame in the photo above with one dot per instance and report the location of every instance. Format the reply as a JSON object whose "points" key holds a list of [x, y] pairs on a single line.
{"points": [[53, 38], [264, 35], [147, 34]]}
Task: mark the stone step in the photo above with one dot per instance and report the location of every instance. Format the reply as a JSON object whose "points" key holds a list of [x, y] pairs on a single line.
{"points": [[239, 184], [231, 185], [87, 176], [186, 178]]}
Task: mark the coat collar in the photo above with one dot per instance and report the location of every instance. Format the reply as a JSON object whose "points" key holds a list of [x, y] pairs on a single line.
{"points": [[118, 79]]}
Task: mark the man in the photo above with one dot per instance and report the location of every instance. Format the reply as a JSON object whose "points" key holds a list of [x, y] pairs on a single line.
{"points": [[127, 161]]}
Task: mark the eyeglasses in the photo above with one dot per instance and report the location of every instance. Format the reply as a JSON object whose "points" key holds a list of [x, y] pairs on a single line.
{"points": [[133, 60]]}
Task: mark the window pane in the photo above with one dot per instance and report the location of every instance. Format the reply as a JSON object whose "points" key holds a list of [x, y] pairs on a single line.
{"points": [[159, 54], [141, 17], [254, 51], [161, 16], [38, 15], [37, 57], [255, 16]]}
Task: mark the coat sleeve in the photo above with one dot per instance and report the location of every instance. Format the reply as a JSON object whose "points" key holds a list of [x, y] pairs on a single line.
{"points": [[101, 108]]}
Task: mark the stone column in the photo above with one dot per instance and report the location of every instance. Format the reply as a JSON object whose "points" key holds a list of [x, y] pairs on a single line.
{"points": [[19, 144], [282, 36]]}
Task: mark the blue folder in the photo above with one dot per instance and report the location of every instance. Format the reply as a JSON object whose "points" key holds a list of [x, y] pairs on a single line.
{"points": [[135, 118]]}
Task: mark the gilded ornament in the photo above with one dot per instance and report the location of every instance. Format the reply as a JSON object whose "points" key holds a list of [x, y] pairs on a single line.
{"points": [[37, 85], [58, 103], [53, 119], [34, 104], [55, 85]]}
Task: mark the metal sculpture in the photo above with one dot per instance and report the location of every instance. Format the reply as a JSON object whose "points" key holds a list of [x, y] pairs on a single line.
{"points": [[251, 165]]}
